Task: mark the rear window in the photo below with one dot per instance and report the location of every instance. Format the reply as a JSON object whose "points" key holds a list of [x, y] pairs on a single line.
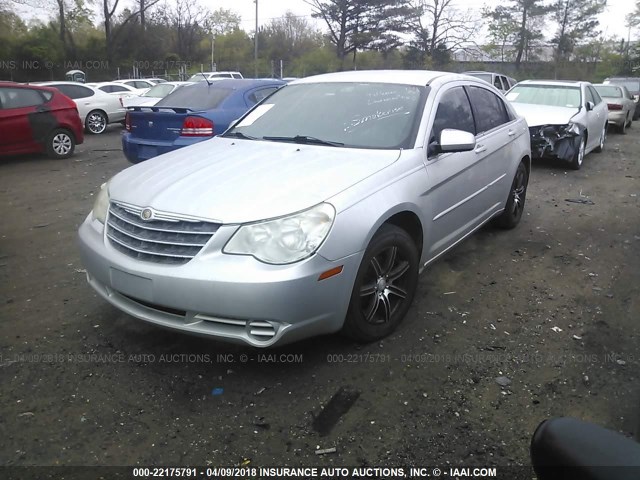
{"points": [[160, 90], [610, 92], [196, 97], [482, 76]]}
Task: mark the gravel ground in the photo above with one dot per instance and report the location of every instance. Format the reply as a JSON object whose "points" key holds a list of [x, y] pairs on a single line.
{"points": [[507, 330]]}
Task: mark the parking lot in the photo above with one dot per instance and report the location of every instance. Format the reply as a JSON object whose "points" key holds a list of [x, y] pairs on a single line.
{"points": [[507, 330]]}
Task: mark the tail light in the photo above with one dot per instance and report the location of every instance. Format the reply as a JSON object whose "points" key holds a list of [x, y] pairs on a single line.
{"points": [[614, 106], [127, 122], [197, 127]]}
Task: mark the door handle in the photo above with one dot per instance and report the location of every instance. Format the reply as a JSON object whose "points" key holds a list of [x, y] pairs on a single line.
{"points": [[480, 149], [511, 133]]}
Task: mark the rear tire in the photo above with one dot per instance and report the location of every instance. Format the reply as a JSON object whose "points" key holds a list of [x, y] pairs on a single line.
{"points": [[384, 287], [60, 144], [96, 122], [578, 157], [512, 213], [603, 139]]}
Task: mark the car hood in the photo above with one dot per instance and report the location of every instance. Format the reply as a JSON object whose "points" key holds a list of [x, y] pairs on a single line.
{"points": [[237, 181], [537, 115]]}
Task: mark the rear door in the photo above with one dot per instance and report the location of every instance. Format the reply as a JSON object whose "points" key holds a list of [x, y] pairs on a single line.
{"points": [[496, 132]]}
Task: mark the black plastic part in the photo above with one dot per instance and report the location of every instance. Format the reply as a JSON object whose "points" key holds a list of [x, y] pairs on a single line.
{"points": [[567, 448]]}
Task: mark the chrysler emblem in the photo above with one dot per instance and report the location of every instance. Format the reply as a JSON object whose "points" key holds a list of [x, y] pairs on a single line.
{"points": [[146, 214]]}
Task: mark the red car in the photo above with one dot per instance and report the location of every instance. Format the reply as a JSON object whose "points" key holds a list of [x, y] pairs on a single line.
{"points": [[38, 119]]}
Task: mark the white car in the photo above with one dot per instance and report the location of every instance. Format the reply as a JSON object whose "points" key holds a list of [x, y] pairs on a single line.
{"points": [[97, 109], [139, 83], [567, 119], [201, 76], [152, 96]]}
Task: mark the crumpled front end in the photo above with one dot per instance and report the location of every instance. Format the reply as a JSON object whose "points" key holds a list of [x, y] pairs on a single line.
{"points": [[556, 141]]}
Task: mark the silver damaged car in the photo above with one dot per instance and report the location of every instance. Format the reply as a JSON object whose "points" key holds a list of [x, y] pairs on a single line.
{"points": [[315, 213]]}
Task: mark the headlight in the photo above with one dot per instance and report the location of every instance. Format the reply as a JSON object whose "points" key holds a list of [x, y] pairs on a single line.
{"points": [[101, 205], [284, 240]]}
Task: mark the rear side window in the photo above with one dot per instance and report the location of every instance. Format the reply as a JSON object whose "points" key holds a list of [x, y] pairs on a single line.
{"points": [[20, 98], [454, 111], [236, 75], [255, 97], [489, 110], [196, 97], [498, 83], [74, 91]]}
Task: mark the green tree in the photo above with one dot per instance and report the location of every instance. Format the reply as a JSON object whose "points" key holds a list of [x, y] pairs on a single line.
{"points": [[525, 17], [362, 24], [577, 20]]}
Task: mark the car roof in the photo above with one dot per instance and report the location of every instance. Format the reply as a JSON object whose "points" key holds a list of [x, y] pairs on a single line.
{"points": [[406, 77], [562, 83], [8, 83], [63, 82]]}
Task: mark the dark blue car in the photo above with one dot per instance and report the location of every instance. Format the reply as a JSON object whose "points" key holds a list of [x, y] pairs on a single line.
{"points": [[189, 115]]}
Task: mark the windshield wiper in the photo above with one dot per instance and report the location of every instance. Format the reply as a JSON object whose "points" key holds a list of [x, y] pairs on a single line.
{"points": [[240, 135], [305, 139]]}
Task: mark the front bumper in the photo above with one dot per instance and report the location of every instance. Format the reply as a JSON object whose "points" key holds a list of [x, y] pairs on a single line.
{"points": [[140, 149], [231, 297], [555, 141]]}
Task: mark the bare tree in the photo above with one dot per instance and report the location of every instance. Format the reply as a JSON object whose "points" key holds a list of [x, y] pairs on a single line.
{"points": [[109, 8], [439, 25]]}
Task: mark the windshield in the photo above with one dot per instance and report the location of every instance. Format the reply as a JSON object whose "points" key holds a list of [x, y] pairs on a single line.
{"points": [[358, 115], [610, 92], [196, 97], [161, 90], [551, 95]]}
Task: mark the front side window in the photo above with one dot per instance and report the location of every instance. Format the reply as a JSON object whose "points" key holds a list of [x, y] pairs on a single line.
{"points": [[595, 95], [349, 114], [454, 111], [489, 110]]}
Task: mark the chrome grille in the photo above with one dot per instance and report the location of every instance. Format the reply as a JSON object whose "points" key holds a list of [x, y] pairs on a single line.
{"points": [[163, 239]]}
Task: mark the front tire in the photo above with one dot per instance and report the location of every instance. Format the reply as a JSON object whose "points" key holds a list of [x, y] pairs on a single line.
{"points": [[60, 144], [512, 213], [96, 122], [578, 157], [384, 287]]}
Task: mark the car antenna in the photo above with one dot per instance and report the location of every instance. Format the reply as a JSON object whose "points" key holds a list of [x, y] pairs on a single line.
{"points": [[205, 78]]}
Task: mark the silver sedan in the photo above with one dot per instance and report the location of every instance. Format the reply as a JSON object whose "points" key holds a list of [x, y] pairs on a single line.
{"points": [[315, 213], [621, 105]]}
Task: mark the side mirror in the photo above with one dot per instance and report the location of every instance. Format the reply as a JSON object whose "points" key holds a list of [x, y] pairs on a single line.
{"points": [[590, 106], [456, 141]]}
